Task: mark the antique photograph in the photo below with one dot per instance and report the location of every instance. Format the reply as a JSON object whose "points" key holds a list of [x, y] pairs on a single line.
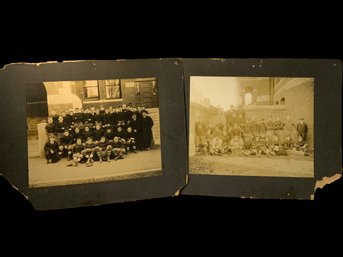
{"points": [[92, 130], [251, 126]]}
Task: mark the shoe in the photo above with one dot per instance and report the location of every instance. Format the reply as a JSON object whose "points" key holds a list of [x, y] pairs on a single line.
{"points": [[89, 164]]}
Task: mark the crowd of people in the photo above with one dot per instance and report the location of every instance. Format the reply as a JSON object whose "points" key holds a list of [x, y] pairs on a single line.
{"points": [[243, 136], [97, 134]]}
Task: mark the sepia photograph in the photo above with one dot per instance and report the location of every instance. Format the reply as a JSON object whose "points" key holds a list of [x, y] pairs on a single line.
{"points": [[90, 131], [251, 126]]}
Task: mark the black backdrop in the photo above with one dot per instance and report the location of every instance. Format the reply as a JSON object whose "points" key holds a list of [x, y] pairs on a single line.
{"points": [[200, 37]]}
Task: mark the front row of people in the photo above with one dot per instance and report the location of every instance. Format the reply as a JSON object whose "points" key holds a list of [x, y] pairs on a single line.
{"points": [[90, 151], [253, 146]]}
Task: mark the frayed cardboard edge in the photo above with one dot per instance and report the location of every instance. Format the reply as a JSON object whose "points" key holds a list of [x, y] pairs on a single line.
{"points": [[325, 181]]}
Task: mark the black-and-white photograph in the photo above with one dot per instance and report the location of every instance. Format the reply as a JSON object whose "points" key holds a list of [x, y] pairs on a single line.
{"points": [[92, 130], [251, 126]]}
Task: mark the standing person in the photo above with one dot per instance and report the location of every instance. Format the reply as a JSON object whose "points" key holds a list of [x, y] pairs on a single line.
{"points": [[51, 150], [289, 128], [50, 127], [147, 124], [200, 133], [60, 127], [302, 129]]}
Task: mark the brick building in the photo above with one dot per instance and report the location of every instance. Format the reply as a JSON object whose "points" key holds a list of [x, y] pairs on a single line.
{"points": [[279, 97], [60, 96]]}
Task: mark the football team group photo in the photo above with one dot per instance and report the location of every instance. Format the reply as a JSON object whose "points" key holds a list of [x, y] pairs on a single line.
{"points": [[251, 126], [93, 130]]}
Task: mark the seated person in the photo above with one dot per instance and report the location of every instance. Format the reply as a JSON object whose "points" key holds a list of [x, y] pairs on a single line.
{"points": [[256, 146], [117, 148], [78, 148], [66, 141], [88, 152], [109, 134], [51, 150], [300, 144], [76, 133], [130, 140], [50, 127], [216, 146], [276, 146], [266, 146], [247, 150], [101, 149], [97, 133], [236, 146], [288, 143]]}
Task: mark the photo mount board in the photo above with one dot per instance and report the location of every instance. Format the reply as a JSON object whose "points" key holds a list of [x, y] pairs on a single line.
{"points": [[327, 76], [14, 164]]}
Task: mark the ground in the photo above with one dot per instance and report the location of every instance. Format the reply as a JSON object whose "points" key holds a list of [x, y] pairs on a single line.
{"points": [[142, 164], [279, 166]]}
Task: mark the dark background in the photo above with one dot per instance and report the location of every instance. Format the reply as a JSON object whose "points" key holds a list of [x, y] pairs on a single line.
{"points": [[218, 32]]}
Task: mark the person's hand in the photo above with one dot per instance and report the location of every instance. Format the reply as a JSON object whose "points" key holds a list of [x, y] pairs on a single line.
{"points": [[51, 151]]}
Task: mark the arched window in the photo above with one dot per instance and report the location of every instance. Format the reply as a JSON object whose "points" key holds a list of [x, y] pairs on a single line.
{"points": [[248, 98]]}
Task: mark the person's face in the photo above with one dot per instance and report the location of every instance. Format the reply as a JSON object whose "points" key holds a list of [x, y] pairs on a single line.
{"points": [[144, 114], [288, 138], [97, 127], [102, 108], [129, 129], [139, 108], [77, 130], [89, 141], [301, 122], [102, 140], [60, 119], [78, 141], [66, 133], [119, 129], [86, 129], [97, 111], [110, 108], [124, 106], [300, 139], [50, 120], [63, 114], [71, 113], [107, 111], [116, 139], [52, 140], [77, 110]]}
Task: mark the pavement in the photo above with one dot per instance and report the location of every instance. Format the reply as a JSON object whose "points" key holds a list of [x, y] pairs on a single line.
{"points": [[277, 166], [142, 164]]}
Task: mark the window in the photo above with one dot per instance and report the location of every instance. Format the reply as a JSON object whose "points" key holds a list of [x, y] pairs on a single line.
{"points": [[91, 90], [113, 90], [248, 98]]}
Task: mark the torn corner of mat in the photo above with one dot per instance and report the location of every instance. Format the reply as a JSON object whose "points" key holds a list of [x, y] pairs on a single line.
{"points": [[40, 63], [325, 181]]}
